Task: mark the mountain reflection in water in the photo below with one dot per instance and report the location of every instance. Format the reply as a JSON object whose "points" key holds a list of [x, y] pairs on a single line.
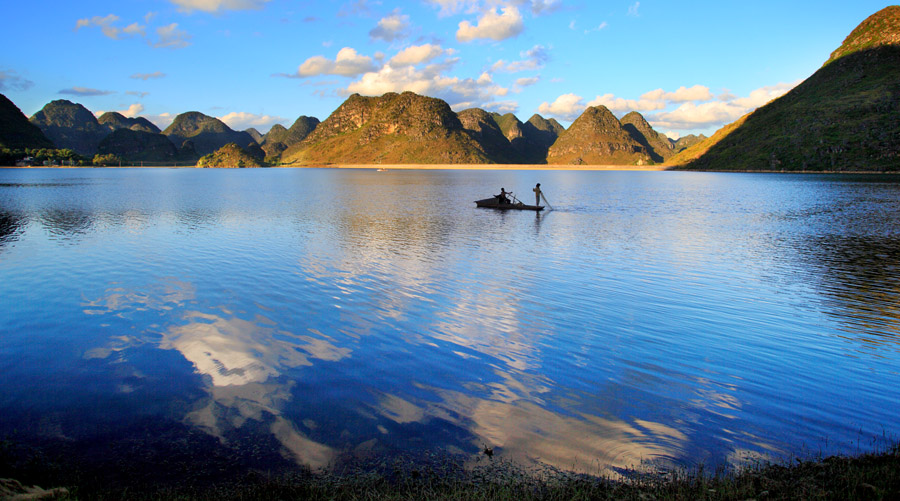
{"points": [[662, 318]]}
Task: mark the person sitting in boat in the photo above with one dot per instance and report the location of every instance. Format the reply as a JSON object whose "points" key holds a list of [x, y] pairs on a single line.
{"points": [[502, 198]]}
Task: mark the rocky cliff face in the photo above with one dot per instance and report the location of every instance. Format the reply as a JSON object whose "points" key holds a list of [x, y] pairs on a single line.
{"points": [[114, 121], [279, 139], [70, 125], [255, 135], [207, 134], [842, 118], [879, 29], [138, 146], [597, 138], [16, 132], [686, 142], [485, 130], [394, 128], [656, 144]]}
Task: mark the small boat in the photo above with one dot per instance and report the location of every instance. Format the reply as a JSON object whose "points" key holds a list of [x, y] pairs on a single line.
{"points": [[494, 203]]}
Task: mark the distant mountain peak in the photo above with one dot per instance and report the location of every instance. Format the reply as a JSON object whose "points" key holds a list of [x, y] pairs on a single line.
{"points": [[881, 28]]}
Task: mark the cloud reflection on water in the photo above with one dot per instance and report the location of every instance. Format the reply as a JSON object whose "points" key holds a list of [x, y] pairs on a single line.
{"points": [[242, 361]]}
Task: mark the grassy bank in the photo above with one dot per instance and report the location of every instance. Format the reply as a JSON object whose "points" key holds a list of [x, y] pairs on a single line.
{"points": [[872, 476]]}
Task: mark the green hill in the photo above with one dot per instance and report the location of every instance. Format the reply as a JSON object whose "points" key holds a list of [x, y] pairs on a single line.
{"points": [[70, 125], [207, 134], [115, 120], [845, 117], [279, 139], [16, 132], [656, 144], [394, 128], [138, 146], [231, 156], [597, 138]]}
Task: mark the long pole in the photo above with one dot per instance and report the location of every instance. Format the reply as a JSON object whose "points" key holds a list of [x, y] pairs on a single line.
{"points": [[545, 201]]}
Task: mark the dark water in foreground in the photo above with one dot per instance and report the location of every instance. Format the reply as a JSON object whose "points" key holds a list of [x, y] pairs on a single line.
{"points": [[313, 315]]}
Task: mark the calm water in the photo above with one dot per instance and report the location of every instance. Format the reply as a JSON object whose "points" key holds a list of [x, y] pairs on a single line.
{"points": [[316, 315]]}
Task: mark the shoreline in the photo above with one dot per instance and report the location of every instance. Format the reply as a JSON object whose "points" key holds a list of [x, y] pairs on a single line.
{"points": [[496, 167]]}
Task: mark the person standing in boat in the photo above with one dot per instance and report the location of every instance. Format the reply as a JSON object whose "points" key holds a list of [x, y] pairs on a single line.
{"points": [[537, 194], [502, 198]]}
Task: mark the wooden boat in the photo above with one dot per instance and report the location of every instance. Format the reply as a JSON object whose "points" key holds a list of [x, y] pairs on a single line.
{"points": [[494, 203]]}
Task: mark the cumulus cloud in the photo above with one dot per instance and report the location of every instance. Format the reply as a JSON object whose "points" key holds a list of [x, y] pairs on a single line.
{"points": [[682, 95], [617, 104], [243, 120], [391, 28], [691, 115], [416, 54], [502, 106], [430, 81], [537, 7], [532, 59], [108, 28], [10, 81], [171, 37], [450, 7], [218, 5], [86, 92], [492, 26], [566, 107], [147, 76], [162, 120], [347, 63], [130, 112], [525, 82]]}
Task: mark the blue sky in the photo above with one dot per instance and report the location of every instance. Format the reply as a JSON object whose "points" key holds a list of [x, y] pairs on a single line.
{"points": [[688, 66]]}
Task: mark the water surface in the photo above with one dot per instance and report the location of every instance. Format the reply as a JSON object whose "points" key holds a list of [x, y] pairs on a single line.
{"points": [[319, 315]]}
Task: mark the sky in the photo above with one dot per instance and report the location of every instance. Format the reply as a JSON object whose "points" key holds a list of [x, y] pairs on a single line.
{"points": [[688, 66]]}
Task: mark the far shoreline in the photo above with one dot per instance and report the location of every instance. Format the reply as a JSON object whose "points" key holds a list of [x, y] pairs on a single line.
{"points": [[495, 167]]}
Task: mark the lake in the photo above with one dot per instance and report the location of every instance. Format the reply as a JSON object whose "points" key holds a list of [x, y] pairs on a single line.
{"points": [[265, 318]]}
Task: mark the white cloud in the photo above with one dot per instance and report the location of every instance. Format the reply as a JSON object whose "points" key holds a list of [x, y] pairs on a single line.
{"points": [[566, 107], [148, 76], [416, 54], [762, 96], [217, 5], [162, 121], [492, 26], [633, 10], [537, 7], [243, 120], [108, 28], [622, 105], [691, 115], [682, 95], [525, 82], [430, 81], [9, 80], [391, 28], [602, 26], [133, 110], [533, 59], [86, 92], [450, 7], [501, 107], [348, 63], [672, 135], [171, 37]]}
